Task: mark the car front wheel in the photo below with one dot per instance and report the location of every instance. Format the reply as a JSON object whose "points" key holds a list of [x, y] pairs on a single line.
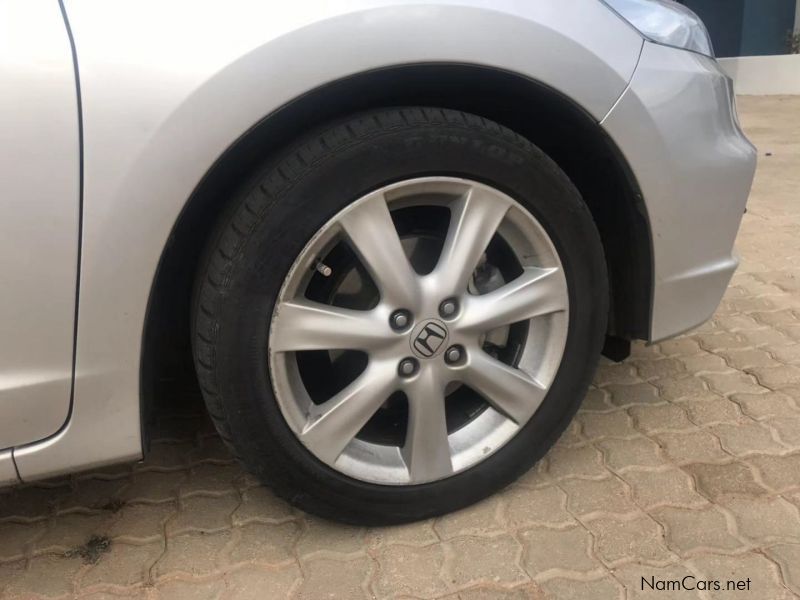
{"points": [[400, 314]]}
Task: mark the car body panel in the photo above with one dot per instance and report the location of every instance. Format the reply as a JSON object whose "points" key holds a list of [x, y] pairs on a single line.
{"points": [[677, 127], [160, 108], [39, 220]]}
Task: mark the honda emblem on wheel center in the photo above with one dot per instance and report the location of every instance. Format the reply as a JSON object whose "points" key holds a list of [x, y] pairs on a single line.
{"points": [[429, 338]]}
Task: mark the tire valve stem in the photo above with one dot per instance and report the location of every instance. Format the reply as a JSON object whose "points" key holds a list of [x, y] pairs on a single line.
{"points": [[323, 269]]}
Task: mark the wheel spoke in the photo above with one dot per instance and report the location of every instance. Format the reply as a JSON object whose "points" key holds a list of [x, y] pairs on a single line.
{"points": [[306, 325], [473, 222], [374, 238], [536, 292], [332, 425], [426, 451], [510, 391]]}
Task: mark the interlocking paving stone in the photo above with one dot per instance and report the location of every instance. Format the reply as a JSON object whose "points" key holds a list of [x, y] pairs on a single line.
{"points": [[788, 558], [638, 451], [666, 367], [348, 578], [763, 573], [17, 538], [482, 518], [719, 480], [556, 550], [199, 590], [763, 406], [413, 534], [265, 543], [590, 497], [528, 591], [123, 565], [192, 554], [91, 494], [675, 388], [327, 537], [211, 479], [473, 560], [766, 519], [141, 522], [66, 532], [631, 576], [747, 438], [708, 410], [411, 571], [748, 358], [49, 576], [604, 425], [705, 362], [153, 486], [667, 487], [664, 417], [781, 473], [203, 513], [617, 540], [696, 529], [569, 589], [693, 446], [636, 393], [787, 429], [575, 461], [542, 506], [260, 504], [252, 583], [684, 460]]}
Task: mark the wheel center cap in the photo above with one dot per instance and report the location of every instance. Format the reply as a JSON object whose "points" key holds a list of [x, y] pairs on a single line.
{"points": [[429, 338]]}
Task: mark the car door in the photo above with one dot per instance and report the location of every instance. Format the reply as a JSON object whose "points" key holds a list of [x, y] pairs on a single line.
{"points": [[39, 219]]}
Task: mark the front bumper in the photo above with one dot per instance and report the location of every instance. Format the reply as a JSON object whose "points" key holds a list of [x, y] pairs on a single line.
{"points": [[677, 127]]}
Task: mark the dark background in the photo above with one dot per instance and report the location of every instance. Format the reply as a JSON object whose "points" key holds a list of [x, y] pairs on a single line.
{"points": [[746, 27]]}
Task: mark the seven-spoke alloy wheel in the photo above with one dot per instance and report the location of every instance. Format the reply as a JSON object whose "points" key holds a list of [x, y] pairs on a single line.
{"points": [[496, 270], [399, 314]]}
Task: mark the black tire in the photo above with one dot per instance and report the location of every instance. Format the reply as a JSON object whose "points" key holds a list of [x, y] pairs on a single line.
{"points": [[273, 218]]}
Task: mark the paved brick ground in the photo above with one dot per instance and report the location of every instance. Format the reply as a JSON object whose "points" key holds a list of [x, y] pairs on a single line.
{"points": [[684, 460]]}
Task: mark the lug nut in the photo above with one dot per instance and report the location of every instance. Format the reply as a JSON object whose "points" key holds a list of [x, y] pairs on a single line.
{"points": [[407, 367], [448, 308], [453, 354], [400, 320]]}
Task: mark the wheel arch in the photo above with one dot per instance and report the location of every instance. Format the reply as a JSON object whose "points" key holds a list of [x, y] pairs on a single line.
{"points": [[560, 127]]}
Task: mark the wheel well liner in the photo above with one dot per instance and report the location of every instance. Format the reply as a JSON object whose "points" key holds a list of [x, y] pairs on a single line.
{"points": [[562, 129]]}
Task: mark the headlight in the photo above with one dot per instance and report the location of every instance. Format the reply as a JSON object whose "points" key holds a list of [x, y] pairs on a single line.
{"points": [[665, 22]]}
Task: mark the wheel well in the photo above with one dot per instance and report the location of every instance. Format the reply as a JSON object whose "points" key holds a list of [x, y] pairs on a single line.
{"points": [[569, 135]]}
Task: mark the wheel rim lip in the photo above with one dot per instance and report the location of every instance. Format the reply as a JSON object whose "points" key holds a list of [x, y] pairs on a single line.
{"points": [[487, 433]]}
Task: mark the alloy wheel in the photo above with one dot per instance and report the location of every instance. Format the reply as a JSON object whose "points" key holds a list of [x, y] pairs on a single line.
{"points": [[418, 331]]}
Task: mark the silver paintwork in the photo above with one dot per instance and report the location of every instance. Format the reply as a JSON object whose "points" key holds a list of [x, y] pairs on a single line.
{"points": [[538, 296], [39, 207], [169, 86], [676, 125], [163, 100]]}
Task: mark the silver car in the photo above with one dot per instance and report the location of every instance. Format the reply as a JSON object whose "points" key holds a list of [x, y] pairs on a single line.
{"points": [[388, 240]]}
